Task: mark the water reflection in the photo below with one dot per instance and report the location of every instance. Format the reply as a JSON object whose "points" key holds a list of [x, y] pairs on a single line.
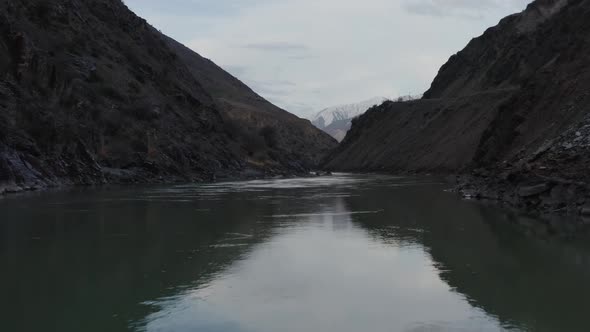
{"points": [[322, 272], [342, 253]]}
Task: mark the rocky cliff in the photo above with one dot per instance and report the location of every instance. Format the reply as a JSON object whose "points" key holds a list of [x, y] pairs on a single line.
{"points": [[90, 93], [512, 110]]}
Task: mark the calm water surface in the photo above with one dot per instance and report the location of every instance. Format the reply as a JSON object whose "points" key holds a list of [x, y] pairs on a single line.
{"points": [[335, 254]]}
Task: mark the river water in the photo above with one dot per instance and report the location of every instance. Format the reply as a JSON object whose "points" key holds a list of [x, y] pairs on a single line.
{"points": [[331, 254]]}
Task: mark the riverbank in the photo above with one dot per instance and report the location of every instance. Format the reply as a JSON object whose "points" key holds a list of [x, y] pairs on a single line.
{"points": [[527, 192], [523, 192], [120, 177]]}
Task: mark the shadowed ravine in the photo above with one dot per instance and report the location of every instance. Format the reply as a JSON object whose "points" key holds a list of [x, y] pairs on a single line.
{"points": [[342, 253]]}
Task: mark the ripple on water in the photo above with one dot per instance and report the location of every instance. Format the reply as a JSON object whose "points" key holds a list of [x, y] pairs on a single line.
{"points": [[323, 214]]}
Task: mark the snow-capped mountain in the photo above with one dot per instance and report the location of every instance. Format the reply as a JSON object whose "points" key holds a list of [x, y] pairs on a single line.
{"points": [[336, 120]]}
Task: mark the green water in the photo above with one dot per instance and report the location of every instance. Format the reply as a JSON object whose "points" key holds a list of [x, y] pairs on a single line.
{"points": [[342, 253]]}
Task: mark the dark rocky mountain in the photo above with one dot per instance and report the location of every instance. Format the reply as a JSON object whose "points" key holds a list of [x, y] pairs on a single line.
{"points": [[511, 111], [90, 93], [294, 140]]}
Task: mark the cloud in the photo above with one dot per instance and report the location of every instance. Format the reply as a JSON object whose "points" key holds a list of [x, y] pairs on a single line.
{"points": [[276, 47], [197, 8], [236, 70], [301, 57], [348, 50], [463, 8], [274, 89]]}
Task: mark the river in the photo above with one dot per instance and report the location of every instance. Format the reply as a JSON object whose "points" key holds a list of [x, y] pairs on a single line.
{"points": [[345, 253]]}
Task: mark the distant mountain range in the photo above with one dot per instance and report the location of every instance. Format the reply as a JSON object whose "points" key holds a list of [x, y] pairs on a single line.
{"points": [[336, 120]]}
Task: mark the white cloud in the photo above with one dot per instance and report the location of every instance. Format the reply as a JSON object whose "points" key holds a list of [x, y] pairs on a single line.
{"points": [[332, 51], [461, 8]]}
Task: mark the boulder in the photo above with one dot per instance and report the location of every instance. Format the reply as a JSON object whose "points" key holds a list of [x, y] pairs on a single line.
{"points": [[529, 191]]}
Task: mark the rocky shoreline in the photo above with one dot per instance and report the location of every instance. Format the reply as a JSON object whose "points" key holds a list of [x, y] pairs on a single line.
{"points": [[551, 179], [120, 177], [531, 194]]}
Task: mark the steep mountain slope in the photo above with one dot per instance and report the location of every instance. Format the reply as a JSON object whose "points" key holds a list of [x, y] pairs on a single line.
{"points": [[91, 93], [422, 135], [336, 120], [505, 55], [294, 140], [529, 143]]}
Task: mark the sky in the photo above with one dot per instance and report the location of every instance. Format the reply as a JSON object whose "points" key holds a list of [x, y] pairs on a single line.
{"points": [[306, 55]]}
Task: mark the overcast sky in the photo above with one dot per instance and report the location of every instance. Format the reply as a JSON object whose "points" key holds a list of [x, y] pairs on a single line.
{"points": [[305, 55]]}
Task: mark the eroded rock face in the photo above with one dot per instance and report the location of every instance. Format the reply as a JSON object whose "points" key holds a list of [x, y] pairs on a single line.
{"points": [[91, 93], [429, 135]]}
